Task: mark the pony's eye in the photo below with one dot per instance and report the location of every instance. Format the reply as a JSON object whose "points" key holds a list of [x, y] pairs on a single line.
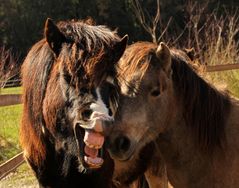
{"points": [[155, 93], [67, 78], [83, 90]]}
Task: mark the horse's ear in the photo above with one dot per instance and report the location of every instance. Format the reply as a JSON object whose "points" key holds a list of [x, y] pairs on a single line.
{"points": [[164, 55], [190, 53], [53, 36], [119, 48]]}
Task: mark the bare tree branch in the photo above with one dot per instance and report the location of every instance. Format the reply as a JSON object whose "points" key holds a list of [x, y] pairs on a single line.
{"points": [[8, 66], [150, 26], [165, 29]]}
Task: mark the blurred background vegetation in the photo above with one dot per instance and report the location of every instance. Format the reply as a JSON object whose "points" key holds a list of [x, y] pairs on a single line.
{"points": [[22, 21]]}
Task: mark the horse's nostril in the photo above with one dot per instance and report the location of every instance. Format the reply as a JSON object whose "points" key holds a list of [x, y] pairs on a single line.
{"points": [[86, 114], [122, 143]]}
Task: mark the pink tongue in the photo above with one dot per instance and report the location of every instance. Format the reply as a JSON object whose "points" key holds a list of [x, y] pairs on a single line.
{"points": [[91, 152], [93, 139]]}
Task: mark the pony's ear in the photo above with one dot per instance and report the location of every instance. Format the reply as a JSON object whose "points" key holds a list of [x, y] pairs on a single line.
{"points": [[53, 36], [190, 53], [119, 48], [164, 56]]}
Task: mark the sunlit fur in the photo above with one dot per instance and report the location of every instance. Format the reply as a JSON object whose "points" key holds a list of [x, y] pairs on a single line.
{"points": [[200, 98], [194, 125], [56, 85]]}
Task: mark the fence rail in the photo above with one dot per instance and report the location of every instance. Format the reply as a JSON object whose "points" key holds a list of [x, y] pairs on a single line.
{"points": [[17, 160], [225, 67], [12, 99], [11, 83], [11, 165]]}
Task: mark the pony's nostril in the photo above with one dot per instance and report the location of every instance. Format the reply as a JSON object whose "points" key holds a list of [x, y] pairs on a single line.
{"points": [[122, 144], [86, 114]]}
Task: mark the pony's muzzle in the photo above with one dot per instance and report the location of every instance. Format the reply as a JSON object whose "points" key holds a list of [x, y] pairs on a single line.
{"points": [[98, 122]]}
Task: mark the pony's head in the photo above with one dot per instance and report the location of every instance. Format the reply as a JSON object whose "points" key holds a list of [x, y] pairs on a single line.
{"points": [[159, 90], [144, 74], [86, 56], [68, 83], [155, 81]]}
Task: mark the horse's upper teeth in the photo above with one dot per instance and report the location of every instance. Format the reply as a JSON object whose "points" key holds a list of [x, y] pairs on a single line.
{"points": [[92, 146]]}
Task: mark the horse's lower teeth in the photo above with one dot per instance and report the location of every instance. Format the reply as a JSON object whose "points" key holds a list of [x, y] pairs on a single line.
{"points": [[94, 162]]}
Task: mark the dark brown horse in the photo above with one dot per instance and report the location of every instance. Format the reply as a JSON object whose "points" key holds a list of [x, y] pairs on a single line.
{"points": [[64, 77], [164, 101]]}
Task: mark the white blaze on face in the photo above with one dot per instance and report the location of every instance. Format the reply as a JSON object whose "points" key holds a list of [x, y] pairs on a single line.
{"points": [[110, 80], [99, 105]]}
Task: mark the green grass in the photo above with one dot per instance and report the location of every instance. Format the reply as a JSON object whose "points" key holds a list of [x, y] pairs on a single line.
{"points": [[9, 126], [9, 131], [9, 143], [228, 78], [23, 177], [11, 90]]}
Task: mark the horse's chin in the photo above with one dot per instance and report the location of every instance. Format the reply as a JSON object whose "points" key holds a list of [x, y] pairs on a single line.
{"points": [[131, 166]]}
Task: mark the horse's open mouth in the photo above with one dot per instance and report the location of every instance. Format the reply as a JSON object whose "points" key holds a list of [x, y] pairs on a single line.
{"points": [[90, 147]]}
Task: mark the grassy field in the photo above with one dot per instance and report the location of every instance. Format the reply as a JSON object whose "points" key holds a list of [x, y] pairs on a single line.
{"points": [[9, 144], [11, 90], [9, 125], [228, 78], [22, 177]]}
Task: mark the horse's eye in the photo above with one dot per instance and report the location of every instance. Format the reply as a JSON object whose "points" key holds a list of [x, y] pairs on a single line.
{"points": [[67, 78], [155, 93], [83, 90]]}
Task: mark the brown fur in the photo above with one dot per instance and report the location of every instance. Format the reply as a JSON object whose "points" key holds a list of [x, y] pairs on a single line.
{"points": [[195, 126], [208, 129]]}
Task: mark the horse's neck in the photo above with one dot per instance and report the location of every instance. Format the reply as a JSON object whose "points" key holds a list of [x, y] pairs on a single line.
{"points": [[188, 167], [180, 154]]}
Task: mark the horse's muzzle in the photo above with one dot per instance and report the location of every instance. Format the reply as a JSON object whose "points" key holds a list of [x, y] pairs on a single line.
{"points": [[90, 136], [98, 122]]}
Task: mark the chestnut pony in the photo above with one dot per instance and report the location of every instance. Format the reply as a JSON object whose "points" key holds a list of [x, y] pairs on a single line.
{"points": [[62, 75], [194, 125]]}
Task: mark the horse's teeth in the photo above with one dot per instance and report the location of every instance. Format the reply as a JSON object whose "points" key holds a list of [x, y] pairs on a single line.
{"points": [[94, 162], [93, 139], [92, 146]]}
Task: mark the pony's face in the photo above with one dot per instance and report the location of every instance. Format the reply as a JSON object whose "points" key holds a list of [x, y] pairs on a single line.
{"points": [[85, 57], [87, 109], [145, 104]]}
